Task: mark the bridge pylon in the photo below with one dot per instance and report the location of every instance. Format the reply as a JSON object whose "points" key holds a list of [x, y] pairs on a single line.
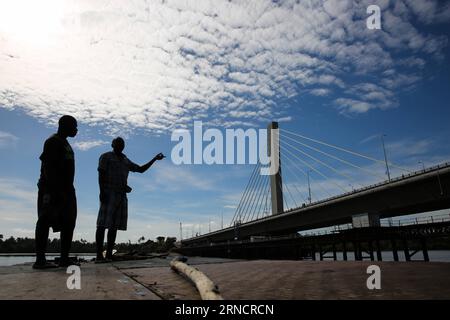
{"points": [[273, 146]]}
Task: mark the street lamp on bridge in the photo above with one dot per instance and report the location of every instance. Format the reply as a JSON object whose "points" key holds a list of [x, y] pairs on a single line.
{"points": [[309, 188], [385, 158], [423, 165]]}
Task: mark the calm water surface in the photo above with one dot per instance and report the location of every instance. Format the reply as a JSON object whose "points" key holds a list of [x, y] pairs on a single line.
{"points": [[435, 256], [10, 260]]}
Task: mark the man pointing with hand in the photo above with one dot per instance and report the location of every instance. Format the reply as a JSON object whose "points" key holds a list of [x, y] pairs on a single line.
{"points": [[113, 171]]}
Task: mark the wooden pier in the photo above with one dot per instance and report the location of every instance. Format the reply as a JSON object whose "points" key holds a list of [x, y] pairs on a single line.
{"points": [[153, 279], [364, 244]]}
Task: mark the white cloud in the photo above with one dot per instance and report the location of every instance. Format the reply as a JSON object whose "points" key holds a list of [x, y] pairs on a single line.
{"points": [[176, 178], [430, 11], [86, 145], [336, 8], [320, 92], [169, 177], [18, 189], [408, 148], [158, 65], [17, 206], [370, 138], [7, 139], [285, 119], [352, 105]]}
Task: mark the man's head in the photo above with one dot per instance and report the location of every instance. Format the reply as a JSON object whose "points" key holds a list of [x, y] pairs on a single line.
{"points": [[118, 144], [68, 126]]}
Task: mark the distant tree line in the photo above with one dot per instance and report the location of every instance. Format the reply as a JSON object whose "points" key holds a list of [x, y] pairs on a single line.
{"points": [[162, 244], [26, 245]]}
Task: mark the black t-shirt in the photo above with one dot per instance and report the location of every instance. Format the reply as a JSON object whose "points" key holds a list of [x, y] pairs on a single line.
{"points": [[58, 165]]}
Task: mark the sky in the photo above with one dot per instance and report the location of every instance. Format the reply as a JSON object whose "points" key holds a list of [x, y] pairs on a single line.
{"points": [[142, 69]]}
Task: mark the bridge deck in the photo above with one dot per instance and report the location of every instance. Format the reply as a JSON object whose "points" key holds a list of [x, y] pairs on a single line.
{"points": [[424, 191], [237, 279]]}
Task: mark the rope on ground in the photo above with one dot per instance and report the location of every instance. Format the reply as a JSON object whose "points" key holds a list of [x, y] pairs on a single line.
{"points": [[207, 289]]}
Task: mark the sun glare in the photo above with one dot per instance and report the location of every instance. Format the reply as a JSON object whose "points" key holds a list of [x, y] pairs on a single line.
{"points": [[30, 21]]}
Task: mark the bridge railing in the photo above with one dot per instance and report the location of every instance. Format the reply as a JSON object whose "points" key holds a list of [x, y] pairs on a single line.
{"points": [[373, 186], [343, 227], [415, 221], [386, 223]]}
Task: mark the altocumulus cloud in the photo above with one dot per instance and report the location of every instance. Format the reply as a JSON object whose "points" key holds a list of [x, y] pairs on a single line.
{"points": [[157, 65], [89, 144], [7, 139]]}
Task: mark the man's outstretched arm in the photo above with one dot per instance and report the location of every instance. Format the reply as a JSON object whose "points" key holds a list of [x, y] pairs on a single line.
{"points": [[142, 169]]}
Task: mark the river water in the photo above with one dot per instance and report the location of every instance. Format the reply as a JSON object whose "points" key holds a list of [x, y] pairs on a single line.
{"points": [[435, 256], [13, 259]]}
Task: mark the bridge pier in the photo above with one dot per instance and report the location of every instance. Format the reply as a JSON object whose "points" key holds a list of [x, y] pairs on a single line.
{"points": [[425, 249], [394, 249], [313, 252], [365, 220], [334, 252], [379, 256], [344, 251], [372, 258], [360, 252], [299, 252], [357, 251], [406, 250]]}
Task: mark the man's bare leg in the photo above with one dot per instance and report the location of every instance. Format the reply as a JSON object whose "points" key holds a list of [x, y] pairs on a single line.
{"points": [[99, 239], [112, 233]]}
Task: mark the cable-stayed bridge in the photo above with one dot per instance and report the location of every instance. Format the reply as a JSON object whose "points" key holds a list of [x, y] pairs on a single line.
{"points": [[320, 184]]}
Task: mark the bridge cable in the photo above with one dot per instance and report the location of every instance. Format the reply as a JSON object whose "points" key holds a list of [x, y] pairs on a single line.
{"points": [[336, 158], [325, 191], [345, 150], [295, 185], [266, 208], [244, 196], [314, 169], [261, 196], [257, 197], [253, 195], [264, 199], [250, 195], [324, 164], [286, 207], [290, 194], [292, 198], [260, 193]]}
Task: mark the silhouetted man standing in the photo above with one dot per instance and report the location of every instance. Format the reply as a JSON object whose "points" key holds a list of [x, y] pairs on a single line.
{"points": [[57, 204], [113, 171]]}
